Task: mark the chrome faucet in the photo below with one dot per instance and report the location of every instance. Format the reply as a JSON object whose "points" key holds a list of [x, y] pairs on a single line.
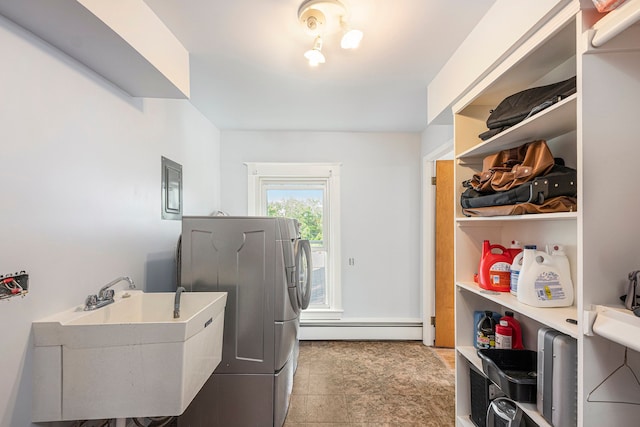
{"points": [[176, 302], [105, 295]]}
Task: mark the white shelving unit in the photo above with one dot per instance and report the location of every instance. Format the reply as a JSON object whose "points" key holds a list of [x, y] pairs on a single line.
{"points": [[595, 131]]}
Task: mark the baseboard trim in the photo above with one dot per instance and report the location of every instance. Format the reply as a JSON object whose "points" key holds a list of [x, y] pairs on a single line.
{"points": [[361, 331]]}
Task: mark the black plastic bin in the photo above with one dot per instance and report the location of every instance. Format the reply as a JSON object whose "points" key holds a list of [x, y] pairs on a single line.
{"points": [[514, 371]]}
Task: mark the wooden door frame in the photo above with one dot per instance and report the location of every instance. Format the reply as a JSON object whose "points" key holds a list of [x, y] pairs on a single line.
{"points": [[427, 270]]}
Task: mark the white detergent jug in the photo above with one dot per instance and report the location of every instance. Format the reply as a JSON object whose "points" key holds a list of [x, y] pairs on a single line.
{"points": [[516, 265], [545, 279]]}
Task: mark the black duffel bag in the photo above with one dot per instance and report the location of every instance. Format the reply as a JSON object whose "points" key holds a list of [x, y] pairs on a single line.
{"points": [[560, 181], [519, 106]]}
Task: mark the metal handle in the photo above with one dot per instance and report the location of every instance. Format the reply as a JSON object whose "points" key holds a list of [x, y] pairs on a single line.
{"points": [[107, 295], [91, 300]]}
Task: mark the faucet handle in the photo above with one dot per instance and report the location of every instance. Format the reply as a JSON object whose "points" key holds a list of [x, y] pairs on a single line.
{"points": [[91, 301], [106, 295]]}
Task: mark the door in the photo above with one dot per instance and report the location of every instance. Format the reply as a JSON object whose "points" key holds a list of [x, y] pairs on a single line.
{"points": [[303, 273], [444, 319]]}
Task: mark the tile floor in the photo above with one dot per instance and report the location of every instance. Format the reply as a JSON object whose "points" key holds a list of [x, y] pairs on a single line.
{"points": [[372, 384]]}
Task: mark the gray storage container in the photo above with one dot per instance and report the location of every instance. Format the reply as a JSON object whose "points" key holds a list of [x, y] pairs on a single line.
{"points": [[557, 378]]}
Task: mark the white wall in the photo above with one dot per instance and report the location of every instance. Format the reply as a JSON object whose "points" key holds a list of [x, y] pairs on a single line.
{"points": [[80, 178], [380, 190], [436, 138]]}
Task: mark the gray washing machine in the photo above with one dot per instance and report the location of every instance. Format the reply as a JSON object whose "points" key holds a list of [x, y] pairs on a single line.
{"points": [[265, 268]]}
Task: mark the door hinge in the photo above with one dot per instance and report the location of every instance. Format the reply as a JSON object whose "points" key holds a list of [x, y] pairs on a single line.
{"points": [[433, 180], [433, 321]]}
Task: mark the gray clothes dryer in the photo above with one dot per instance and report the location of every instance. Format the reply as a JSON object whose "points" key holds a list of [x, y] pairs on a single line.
{"points": [[265, 268]]}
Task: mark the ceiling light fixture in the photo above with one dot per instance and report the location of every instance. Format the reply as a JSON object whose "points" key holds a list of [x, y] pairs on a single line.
{"points": [[314, 55], [351, 39], [322, 17]]}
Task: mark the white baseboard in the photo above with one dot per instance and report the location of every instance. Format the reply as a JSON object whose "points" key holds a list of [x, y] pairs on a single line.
{"points": [[361, 330]]}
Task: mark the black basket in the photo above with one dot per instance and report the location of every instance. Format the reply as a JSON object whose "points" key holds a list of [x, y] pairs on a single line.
{"points": [[514, 371]]}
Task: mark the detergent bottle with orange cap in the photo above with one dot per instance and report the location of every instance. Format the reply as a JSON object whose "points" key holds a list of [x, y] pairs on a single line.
{"points": [[494, 271]]}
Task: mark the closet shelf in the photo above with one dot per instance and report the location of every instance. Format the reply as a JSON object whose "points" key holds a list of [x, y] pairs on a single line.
{"points": [[469, 352], [555, 317], [483, 221], [616, 22], [617, 324], [554, 121]]}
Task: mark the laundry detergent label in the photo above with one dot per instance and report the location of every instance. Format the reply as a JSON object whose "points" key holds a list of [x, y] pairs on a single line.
{"points": [[514, 281], [500, 275], [548, 287]]}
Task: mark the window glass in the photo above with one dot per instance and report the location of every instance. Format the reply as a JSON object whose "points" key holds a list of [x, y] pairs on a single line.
{"points": [[305, 205]]}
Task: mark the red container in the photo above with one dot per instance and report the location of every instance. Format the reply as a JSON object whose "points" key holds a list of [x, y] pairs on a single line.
{"points": [[516, 338], [504, 335], [494, 271]]}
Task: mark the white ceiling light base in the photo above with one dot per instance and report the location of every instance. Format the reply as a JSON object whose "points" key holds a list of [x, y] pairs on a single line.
{"points": [[313, 20], [326, 14]]}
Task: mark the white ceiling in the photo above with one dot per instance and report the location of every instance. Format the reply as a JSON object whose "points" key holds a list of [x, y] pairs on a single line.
{"points": [[248, 71]]}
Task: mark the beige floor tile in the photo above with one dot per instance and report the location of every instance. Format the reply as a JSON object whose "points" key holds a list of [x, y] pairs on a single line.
{"points": [[301, 380], [326, 383], [368, 408], [327, 408], [297, 412]]}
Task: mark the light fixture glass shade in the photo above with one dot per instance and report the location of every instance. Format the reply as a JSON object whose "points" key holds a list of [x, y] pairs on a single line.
{"points": [[315, 56], [351, 39]]}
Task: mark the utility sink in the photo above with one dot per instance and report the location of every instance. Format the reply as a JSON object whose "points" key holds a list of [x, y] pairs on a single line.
{"points": [[128, 359]]}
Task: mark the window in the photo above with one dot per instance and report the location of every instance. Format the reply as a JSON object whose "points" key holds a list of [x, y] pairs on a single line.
{"points": [[310, 193]]}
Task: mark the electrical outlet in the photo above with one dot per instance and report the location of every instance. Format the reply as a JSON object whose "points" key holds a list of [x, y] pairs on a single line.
{"points": [[15, 284]]}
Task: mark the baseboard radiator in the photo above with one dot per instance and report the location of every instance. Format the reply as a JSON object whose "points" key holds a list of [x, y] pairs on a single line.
{"points": [[361, 330]]}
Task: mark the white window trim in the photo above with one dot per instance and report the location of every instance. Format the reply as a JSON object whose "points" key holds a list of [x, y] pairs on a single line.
{"points": [[257, 172]]}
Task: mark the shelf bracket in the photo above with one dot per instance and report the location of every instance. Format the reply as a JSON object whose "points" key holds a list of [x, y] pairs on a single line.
{"points": [[588, 320]]}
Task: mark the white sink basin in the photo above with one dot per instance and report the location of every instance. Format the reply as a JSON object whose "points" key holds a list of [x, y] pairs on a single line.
{"points": [[130, 358]]}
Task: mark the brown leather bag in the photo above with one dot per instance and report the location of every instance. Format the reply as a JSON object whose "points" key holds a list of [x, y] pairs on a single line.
{"points": [[509, 168], [553, 205]]}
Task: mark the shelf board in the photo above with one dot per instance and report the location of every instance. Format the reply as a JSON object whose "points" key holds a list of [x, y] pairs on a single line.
{"points": [[483, 220], [617, 324], [555, 317], [554, 121], [470, 353]]}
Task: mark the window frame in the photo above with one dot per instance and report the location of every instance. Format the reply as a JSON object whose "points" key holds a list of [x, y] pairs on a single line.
{"points": [[260, 175]]}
